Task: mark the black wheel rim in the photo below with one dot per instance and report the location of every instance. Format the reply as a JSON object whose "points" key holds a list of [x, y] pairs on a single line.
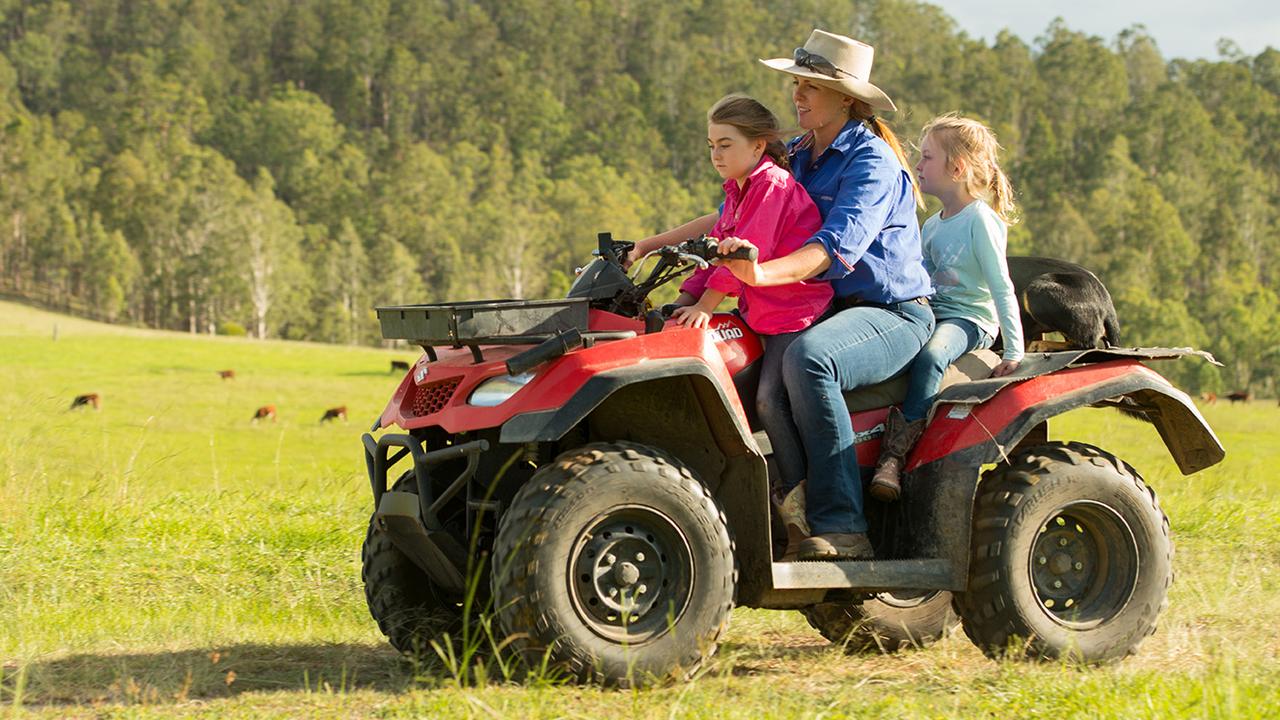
{"points": [[630, 574], [1084, 565]]}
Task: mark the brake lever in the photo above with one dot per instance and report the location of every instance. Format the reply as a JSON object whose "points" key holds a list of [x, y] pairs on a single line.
{"points": [[667, 253], [697, 260]]}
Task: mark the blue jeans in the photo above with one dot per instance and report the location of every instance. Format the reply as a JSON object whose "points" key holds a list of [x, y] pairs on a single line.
{"points": [[856, 347], [774, 410], [951, 338]]}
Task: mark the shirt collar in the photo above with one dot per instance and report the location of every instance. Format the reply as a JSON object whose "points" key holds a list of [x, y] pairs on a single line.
{"points": [[849, 134], [731, 186]]}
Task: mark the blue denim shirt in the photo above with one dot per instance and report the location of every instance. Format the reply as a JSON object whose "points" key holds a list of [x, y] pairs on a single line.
{"points": [[868, 211]]}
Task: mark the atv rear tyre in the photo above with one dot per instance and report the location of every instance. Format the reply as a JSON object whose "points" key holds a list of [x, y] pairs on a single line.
{"points": [[887, 622], [615, 564], [1071, 557], [407, 606]]}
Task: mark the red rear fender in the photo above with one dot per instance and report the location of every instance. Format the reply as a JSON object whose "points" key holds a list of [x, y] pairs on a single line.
{"points": [[1006, 417]]}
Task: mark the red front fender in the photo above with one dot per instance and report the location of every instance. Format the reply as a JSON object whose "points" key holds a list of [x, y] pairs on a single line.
{"points": [[439, 397]]}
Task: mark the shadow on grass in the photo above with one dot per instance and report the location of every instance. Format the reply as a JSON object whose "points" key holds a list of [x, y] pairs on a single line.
{"points": [[176, 676], [751, 659]]}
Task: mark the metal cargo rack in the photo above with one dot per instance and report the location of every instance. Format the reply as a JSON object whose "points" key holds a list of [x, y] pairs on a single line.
{"points": [[488, 322]]}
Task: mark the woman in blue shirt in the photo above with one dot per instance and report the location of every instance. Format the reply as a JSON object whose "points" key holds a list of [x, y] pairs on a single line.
{"points": [[869, 248]]}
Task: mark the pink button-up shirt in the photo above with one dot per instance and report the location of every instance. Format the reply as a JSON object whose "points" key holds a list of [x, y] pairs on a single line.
{"points": [[775, 213]]}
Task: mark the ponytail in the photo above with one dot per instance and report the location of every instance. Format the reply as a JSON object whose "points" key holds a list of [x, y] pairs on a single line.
{"points": [[863, 112], [1002, 196], [778, 152]]}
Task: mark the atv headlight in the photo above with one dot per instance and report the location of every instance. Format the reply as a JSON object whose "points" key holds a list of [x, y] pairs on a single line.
{"points": [[498, 390]]}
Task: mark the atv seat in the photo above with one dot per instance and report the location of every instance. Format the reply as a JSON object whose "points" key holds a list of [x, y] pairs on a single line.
{"points": [[976, 365]]}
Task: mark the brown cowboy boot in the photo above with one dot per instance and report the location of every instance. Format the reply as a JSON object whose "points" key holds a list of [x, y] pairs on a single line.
{"points": [[899, 437], [791, 510]]}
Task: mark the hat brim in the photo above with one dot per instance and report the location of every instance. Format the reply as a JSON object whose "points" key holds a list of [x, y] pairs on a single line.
{"points": [[860, 89]]}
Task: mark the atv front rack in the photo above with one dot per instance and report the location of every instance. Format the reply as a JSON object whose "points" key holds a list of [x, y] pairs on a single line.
{"points": [[494, 322], [486, 322]]}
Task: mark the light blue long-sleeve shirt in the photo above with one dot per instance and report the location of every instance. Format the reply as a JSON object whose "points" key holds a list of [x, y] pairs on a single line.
{"points": [[965, 257]]}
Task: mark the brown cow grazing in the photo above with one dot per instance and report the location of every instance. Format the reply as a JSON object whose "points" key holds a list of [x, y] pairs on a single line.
{"points": [[335, 413], [86, 400], [400, 365], [1209, 398], [264, 413], [227, 374], [1238, 396]]}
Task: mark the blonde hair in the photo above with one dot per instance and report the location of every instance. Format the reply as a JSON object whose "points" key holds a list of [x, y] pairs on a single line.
{"points": [[973, 143], [754, 121], [863, 112]]}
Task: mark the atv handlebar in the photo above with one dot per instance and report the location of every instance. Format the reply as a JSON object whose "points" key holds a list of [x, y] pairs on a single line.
{"points": [[699, 251], [606, 282], [708, 248]]}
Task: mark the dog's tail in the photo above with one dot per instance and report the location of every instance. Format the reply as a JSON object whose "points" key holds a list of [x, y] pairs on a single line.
{"points": [[1136, 415]]}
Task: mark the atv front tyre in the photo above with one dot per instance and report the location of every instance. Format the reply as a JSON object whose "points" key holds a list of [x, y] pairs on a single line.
{"points": [[1071, 557], [614, 563], [407, 606], [887, 622]]}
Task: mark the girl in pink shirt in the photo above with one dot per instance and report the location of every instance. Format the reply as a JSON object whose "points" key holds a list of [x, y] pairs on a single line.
{"points": [[764, 204]]}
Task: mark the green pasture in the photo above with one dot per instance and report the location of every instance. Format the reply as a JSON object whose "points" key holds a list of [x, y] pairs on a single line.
{"points": [[165, 557]]}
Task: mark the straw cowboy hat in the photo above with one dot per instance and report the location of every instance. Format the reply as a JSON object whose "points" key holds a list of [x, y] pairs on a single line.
{"points": [[838, 62]]}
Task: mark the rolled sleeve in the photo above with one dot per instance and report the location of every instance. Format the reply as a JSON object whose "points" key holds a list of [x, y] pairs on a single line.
{"points": [[723, 280], [696, 284], [865, 198]]}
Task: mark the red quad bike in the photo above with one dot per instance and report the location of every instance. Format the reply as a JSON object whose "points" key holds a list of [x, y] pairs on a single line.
{"points": [[595, 472]]}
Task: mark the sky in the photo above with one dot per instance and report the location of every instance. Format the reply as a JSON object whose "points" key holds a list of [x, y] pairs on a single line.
{"points": [[1181, 29]]}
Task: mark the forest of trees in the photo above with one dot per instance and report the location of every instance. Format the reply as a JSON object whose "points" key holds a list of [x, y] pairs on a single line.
{"points": [[281, 166]]}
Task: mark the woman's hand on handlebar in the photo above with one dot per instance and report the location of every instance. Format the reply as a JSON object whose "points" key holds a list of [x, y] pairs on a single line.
{"points": [[748, 271]]}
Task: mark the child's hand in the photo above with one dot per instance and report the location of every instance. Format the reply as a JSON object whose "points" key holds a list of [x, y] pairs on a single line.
{"points": [[747, 271], [1005, 367], [694, 316], [632, 257]]}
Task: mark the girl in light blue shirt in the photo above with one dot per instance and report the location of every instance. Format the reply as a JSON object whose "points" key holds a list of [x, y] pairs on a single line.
{"points": [[964, 252]]}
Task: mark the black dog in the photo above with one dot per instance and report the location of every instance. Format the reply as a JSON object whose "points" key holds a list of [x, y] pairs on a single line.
{"points": [[1060, 296]]}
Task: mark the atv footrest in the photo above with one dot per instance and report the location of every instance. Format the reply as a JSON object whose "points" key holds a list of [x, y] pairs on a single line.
{"points": [[874, 575]]}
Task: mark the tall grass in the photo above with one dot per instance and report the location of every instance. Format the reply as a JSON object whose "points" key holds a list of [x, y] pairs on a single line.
{"points": [[164, 557]]}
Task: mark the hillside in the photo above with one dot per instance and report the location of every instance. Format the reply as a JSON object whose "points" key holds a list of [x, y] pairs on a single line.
{"points": [[282, 167]]}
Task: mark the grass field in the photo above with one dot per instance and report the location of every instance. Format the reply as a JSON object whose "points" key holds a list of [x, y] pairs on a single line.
{"points": [[163, 557]]}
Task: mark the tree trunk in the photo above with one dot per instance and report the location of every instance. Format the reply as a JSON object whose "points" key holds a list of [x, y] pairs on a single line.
{"points": [[18, 251], [260, 268]]}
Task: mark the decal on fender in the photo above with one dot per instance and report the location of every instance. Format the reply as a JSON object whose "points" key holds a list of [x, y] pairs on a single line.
{"points": [[868, 434], [725, 331]]}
